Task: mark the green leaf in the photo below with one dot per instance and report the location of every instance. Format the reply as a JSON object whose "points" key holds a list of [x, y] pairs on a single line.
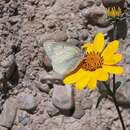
{"points": [[118, 84], [102, 96]]}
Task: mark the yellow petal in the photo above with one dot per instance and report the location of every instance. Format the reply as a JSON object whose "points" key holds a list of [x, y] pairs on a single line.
{"points": [[81, 84], [98, 44], [112, 60], [74, 77], [111, 48], [113, 69], [88, 47], [101, 75], [92, 83]]}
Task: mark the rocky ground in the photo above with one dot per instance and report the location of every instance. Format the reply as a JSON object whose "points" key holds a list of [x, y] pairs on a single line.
{"points": [[31, 96]]}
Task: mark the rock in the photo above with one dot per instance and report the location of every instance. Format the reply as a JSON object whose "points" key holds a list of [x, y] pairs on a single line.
{"points": [[123, 92], [96, 16], [128, 1], [51, 109], [10, 65], [106, 128], [50, 77], [21, 128], [127, 53], [78, 112], [86, 127], [84, 35], [88, 3], [42, 87], [8, 114], [3, 128], [62, 97], [86, 103], [55, 36], [26, 101], [24, 120], [108, 3]]}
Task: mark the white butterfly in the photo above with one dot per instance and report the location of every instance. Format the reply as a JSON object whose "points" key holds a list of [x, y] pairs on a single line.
{"points": [[64, 57]]}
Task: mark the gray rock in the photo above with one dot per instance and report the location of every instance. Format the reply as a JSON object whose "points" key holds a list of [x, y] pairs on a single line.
{"points": [[63, 97], [10, 65], [86, 103], [26, 101], [21, 128], [86, 127], [8, 114], [123, 92], [50, 77], [127, 53], [51, 109], [96, 16], [3, 128], [128, 2], [42, 87], [24, 120], [79, 112], [55, 36], [106, 128]]}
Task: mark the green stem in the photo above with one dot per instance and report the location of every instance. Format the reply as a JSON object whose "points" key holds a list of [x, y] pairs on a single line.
{"points": [[113, 93], [119, 112]]}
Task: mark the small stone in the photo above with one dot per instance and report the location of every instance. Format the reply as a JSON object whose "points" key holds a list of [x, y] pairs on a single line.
{"points": [[108, 3], [86, 103], [55, 36], [42, 87], [84, 35], [62, 97], [127, 52], [3, 128], [10, 66], [106, 128], [26, 101], [51, 109], [96, 16], [86, 127], [50, 77], [78, 112], [8, 114], [21, 128], [24, 120]]}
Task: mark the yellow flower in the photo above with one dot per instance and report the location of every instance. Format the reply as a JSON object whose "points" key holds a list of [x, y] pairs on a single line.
{"points": [[114, 11], [97, 64]]}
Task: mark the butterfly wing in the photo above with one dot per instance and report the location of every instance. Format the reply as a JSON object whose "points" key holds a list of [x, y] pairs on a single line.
{"points": [[65, 58]]}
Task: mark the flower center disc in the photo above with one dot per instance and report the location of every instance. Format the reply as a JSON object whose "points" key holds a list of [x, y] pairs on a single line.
{"points": [[92, 61]]}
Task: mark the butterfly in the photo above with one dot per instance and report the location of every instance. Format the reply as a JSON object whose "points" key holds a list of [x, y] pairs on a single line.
{"points": [[64, 56]]}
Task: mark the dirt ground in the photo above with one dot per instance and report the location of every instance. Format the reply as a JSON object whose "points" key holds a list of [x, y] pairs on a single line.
{"points": [[26, 96]]}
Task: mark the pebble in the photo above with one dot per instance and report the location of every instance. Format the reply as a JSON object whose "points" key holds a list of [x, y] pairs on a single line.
{"points": [[86, 103], [86, 127], [10, 65], [127, 52], [25, 120], [51, 109], [62, 97], [42, 87], [8, 114], [96, 16], [26, 101], [55, 36], [3, 128], [21, 128], [78, 112], [50, 77]]}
